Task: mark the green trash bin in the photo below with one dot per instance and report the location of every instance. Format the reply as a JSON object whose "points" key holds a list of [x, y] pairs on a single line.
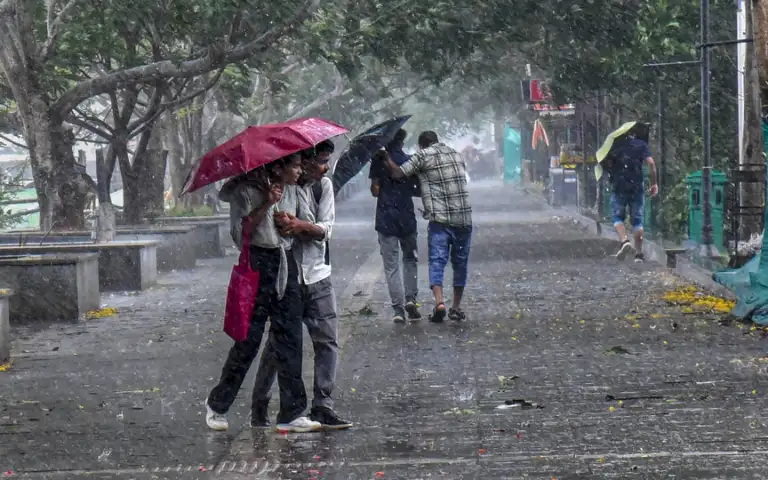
{"points": [[696, 204]]}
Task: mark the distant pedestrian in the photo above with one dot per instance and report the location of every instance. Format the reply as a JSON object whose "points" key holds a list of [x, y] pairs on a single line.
{"points": [[441, 171], [259, 201], [311, 228], [397, 228], [626, 177]]}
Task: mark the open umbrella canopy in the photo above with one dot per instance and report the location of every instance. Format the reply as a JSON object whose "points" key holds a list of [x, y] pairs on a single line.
{"points": [[257, 146], [362, 148], [638, 129]]}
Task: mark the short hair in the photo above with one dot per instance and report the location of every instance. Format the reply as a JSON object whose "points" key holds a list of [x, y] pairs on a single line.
{"points": [[326, 146], [427, 138], [380, 156], [399, 137]]}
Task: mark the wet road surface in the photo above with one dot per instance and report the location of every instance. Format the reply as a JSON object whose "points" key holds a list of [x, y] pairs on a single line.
{"points": [[570, 366]]}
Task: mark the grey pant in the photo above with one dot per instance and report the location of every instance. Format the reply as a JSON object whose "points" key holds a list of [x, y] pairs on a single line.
{"points": [[322, 323], [402, 288]]}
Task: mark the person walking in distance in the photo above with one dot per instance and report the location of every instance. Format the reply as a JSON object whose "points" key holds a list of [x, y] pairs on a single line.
{"points": [[311, 228], [256, 200], [626, 177], [441, 171], [397, 229]]}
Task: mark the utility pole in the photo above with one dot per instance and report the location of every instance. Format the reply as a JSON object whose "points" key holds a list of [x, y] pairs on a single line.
{"points": [[708, 250]]}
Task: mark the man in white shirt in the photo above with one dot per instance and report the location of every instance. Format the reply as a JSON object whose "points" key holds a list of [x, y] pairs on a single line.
{"points": [[312, 228]]}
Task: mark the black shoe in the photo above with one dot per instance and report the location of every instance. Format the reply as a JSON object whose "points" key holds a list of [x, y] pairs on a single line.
{"points": [[457, 315], [438, 314], [639, 258], [328, 419], [413, 311], [260, 417]]}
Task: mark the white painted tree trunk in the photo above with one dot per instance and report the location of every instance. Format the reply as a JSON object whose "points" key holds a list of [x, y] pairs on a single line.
{"points": [[105, 223]]}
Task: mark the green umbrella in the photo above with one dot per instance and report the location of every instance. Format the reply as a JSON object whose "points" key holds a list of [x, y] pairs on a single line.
{"points": [[639, 129]]}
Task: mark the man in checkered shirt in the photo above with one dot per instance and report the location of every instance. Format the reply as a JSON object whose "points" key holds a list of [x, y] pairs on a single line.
{"points": [[441, 171]]}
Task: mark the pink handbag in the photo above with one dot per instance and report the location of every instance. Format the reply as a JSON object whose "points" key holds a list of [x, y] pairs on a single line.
{"points": [[242, 292]]}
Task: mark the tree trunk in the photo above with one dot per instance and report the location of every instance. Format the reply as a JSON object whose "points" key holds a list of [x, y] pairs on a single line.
{"points": [[760, 45], [176, 167], [143, 194], [751, 194], [62, 186], [105, 221]]}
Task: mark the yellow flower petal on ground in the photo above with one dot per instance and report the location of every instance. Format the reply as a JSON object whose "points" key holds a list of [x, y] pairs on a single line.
{"points": [[101, 313], [693, 298], [4, 367]]}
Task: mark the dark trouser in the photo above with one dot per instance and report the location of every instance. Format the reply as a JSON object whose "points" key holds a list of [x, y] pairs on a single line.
{"points": [[285, 341], [322, 323]]}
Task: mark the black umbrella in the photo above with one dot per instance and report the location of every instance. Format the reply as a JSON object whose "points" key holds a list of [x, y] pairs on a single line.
{"points": [[362, 148]]}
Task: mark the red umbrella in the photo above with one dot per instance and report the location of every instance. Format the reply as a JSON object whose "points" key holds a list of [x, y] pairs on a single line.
{"points": [[257, 146]]}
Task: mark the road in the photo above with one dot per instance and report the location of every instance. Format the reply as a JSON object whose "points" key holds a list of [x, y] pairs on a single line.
{"points": [[570, 366]]}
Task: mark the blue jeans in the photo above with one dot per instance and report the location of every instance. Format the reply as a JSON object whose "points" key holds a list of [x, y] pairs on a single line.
{"points": [[448, 242], [635, 202]]}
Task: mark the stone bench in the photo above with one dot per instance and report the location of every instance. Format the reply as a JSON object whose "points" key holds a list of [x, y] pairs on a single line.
{"points": [[213, 232], [123, 264], [672, 254], [176, 251], [5, 326], [51, 288]]}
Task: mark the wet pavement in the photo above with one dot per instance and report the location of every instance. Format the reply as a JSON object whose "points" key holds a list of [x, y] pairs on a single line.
{"points": [[570, 366]]}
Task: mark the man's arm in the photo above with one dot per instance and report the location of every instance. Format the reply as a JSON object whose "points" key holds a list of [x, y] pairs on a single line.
{"points": [[652, 174], [411, 167], [326, 211], [375, 187], [326, 216]]}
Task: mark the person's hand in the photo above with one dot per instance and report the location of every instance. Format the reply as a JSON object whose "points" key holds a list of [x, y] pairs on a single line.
{"points": [[286, 223], [275, 194], [282, 219], [653, 190]]}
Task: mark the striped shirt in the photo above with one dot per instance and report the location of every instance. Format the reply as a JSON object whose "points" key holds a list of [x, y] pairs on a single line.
{"points": [[441, 171]]}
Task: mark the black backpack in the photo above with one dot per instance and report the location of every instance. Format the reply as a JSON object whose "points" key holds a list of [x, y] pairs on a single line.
{"points": [[317, 191]]}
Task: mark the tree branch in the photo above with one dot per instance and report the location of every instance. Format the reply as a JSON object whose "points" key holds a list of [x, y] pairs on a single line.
{"points": [[54, 23], [13, 142], [172, 69], [337, 91], [173, 104], [104, 126], [91, 128]]}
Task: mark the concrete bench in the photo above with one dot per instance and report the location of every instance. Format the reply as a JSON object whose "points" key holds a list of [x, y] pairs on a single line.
{"points": [[213, 232], [672, 254], [5, 326], [123, 264], [175, 252], [51, 288]]}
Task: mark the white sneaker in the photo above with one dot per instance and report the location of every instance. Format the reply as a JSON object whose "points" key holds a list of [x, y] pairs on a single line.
{"points": [[215, 421], [300, 425], [626, 249]]}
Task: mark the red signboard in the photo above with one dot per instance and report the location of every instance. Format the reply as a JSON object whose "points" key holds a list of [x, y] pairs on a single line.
{"points": [[539, 92]]}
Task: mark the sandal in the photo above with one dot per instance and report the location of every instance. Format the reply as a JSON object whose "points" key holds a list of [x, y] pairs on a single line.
{"points": [[457, 315], [438, 314]]}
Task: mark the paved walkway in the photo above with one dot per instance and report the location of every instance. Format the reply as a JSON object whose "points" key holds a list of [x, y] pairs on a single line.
{"points": [[571, 366]]}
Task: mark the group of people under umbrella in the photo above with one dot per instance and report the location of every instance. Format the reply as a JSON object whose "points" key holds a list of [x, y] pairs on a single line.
{"points": [[282, 212]]}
